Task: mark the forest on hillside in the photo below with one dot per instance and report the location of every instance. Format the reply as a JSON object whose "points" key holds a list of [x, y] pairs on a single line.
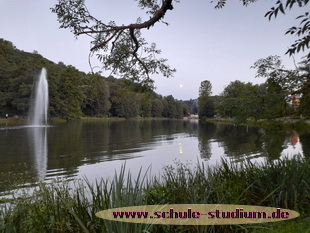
{"points": [[74, 94]]}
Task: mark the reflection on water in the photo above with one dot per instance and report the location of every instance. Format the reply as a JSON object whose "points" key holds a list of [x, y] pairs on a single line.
{"points": [[97, 149], [38, 146], [228, 140], [238, 143], [293, 146], [20, 141]]}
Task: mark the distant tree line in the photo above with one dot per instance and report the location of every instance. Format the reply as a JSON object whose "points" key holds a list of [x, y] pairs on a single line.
{"points": [[192, 106], [285, 93], [72, 93]]}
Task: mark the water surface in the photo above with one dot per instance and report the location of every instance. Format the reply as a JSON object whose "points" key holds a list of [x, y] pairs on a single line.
{"points": [[98, 149]]}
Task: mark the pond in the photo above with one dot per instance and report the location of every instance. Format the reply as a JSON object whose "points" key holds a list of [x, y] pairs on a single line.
{"points": [[98, 149]]}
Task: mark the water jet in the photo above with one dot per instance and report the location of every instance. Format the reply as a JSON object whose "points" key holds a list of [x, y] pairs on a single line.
{"points": [[40, 105], [38, 123]]}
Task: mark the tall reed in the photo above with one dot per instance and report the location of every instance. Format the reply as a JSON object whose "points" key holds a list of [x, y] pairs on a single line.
{"points": [[63, 207]]}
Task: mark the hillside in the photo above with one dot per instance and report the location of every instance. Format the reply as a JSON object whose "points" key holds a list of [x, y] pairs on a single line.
{"points": [[72, 93]]}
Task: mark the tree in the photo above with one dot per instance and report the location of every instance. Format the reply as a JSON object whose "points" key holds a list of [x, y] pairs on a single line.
{"points": [[204, 103], [73, 93], [145, 105], [228, 105], [123, 50], [125, 104], [97, 94], [18, 71], [205, 88], [67, 93], [208, 110], [192, 105], [242, 101], [120, 44], [172, 108], [304, 108], [302, 31], [290, 82], [274, 101], [304, 70], [157, 108]]}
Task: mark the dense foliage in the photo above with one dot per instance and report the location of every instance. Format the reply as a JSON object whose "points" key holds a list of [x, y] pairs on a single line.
{"points": [[285, 93], [206, 106], [121, 48], [72, 93], [302, 31]]}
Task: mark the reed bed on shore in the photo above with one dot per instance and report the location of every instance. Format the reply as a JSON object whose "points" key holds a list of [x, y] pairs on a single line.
{"points": [[63, 207]]}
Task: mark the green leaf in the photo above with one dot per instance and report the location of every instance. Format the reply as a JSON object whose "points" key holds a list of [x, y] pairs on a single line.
{"points": [[281, 8]]}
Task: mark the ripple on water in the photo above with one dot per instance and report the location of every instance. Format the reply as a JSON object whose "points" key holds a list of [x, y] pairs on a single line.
{"points": [[25, 127]]}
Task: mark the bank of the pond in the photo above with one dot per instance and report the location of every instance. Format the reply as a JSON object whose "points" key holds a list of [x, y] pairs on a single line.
{"points": [[21, 120], [87, 119], [101, 119], [4, 121], [17, 121], [59, 208], [12, 121], [263, 123], [104, 119]]}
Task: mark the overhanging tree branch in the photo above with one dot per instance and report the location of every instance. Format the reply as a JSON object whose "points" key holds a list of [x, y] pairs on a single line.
{"points": [[281, 6], [117, 43], [123, 50]]}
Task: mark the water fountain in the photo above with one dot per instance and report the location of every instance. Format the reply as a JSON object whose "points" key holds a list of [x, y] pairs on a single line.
{"points": [[38, 135], [40, 105], [37, 127]]}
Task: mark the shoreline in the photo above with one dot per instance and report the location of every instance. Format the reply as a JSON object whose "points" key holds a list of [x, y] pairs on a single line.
{"points": [[21, 120], [249, 186], [262, 122], [259, 123]]}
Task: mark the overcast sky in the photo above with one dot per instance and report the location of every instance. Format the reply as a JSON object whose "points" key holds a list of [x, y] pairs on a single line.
{"points": [[200, 42]]}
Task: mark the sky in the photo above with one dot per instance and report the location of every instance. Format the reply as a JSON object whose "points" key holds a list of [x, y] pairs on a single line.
{"points": [[201, 43]]}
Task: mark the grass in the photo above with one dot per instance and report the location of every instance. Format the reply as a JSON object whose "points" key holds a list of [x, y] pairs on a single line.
{"points": [[4, 121], [286, 227], [60, 207], [12, 121], [57, 121], [19, 176], [103, 119], [86, 119]]}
